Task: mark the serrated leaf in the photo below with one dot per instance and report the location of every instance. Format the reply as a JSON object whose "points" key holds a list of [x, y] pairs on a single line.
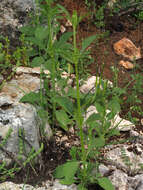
{"points": [[66, 172], [86, 42], [63, 119], [65, 103], [105, 183]]}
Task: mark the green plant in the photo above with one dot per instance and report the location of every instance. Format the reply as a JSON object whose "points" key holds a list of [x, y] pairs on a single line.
{"points": [[140, 15], [97, 12], [81, 165], [46, 49], [11, 59], [68, 107], [134, 101]]}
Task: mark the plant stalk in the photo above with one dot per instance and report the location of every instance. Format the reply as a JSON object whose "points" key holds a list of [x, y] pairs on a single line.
{"points": [[79, 113]]}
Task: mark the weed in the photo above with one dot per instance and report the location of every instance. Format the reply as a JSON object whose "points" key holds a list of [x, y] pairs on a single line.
{"points": [[10, 60], [65, 107], [95, 139]]}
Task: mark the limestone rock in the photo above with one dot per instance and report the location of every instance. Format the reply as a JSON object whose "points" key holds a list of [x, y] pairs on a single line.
{"points": [[29, 70], [18, 87], [14, 14], [103, 169], [46, 186], [126, 156], [126, 64], [15, 115], [119, 123], [58, 186], [22, 5], [111, 3], [89, 85], [126, 48], [136, 182], [1, 78], [122, 124], [119, 180]]}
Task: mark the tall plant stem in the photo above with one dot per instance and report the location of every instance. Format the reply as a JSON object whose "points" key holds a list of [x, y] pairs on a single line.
{"points": [[51, 53], [79, 113]]}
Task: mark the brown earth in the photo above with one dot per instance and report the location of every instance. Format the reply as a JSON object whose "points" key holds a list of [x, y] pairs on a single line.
{"points": [[103, 52], [104, 56]]}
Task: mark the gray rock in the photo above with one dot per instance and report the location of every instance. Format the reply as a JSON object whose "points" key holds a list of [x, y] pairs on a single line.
{"points": [[15, 116], [126, 159], [103, 169], [140, 186], [1, 78], [15, 89], [136, 182], [89, 84], [119, 180], [13, 15], [46, 186], [21, 5], [57, 186], [18, 116], [119, 123]]}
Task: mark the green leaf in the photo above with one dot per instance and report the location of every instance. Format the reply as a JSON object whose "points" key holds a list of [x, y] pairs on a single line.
{"points": [[72, 93], [80, 187], [93, 118], [66, 172], [66, 55], [63, 39], [100, 108], [28, 30], [64, 11], [105, 183], [114, 105], [33, 40], [86, 42], [99, 142], [32, 98], [41, 33], [43, 114], [65, 103], [1, 57], [63, 119], [37, 61], [113, 132]]}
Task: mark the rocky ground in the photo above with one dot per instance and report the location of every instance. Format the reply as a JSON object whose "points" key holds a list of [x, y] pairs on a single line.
{"points": [[12, 113]]}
